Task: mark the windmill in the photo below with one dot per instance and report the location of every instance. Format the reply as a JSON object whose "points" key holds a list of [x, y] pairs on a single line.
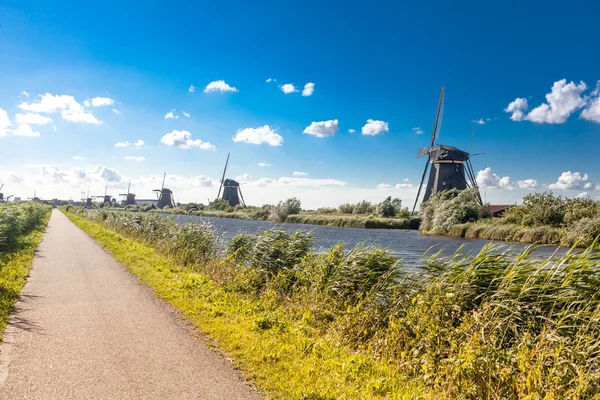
{"points": [[1, 194], [164, 197], [106, 198], [129, 198], [86, 199], [232, 193], [451, 168]]}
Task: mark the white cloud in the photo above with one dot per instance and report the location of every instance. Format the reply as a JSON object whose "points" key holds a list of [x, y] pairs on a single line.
{"points": [[322, 129], [404, 185], [24, 93], [102, 173], [592, 110], [259, 135], [78, 158], [271, 80], [374, 127], [563, 99], [288, 88], [69, 109], [139, 143], [4, 123], [102, 101], [571, 181], [116, 111], [264, 164], [310, 182], [243, 178], [24, 130], [171, 115], [187, 115], [487, 179], [351, 130], [183, 140], [528, 184], [384, 186], [219, 86], [417, 130], [309, 88], [134, 158], [32, 119], [584, 195], [192, 88], [297, 173], [262, 182], [479, 121], [175, 182]]}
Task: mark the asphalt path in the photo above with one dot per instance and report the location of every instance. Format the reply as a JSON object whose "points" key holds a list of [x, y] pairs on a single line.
{"points": [[85, 328]]}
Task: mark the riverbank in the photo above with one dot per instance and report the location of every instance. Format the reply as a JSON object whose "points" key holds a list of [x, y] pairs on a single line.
{"points": [[358, 323], [310, 218], [21, 229]]}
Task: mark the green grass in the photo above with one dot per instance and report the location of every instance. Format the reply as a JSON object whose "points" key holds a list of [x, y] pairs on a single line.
{"points": [[352, 221], [16, 258], [283, 356]]}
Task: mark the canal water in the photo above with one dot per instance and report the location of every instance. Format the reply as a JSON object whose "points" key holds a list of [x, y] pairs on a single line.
{"points": [[405, 244]]}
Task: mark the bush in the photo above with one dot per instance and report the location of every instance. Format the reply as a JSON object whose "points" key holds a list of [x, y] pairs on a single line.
{"points": [[448, 208], [346, 208], [281, 211], [363, 207]]}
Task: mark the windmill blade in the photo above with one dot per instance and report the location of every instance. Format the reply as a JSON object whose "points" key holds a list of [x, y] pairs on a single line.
{"points": [[422, 151], [223, 177], [439, 116], [163, 184], [128, 187], [420, 186]]}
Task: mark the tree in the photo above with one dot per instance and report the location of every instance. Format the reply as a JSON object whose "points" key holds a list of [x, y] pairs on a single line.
{"points": [[386, 208]]}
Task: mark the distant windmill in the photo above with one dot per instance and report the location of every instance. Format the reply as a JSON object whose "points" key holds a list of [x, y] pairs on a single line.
{"points": [[232, 193], [129, 198], [1, 194], [107, 198], [164, 196], [451, 168]]}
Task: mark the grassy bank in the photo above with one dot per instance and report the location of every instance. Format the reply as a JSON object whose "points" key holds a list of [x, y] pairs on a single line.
{"points": [[360, 324], [353, 221], [21, 229]]}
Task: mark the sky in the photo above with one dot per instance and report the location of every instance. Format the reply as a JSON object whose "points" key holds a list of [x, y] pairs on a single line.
{"points": [[325, 101]]}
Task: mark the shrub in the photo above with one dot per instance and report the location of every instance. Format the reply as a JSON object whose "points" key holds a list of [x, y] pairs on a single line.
{"points": [[346, 208], [364, 207], [449, 207], [281, 211]]}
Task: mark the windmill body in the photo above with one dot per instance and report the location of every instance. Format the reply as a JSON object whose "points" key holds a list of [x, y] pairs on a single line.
{"points": [[451, 167], [165, 196], [232, 193]]}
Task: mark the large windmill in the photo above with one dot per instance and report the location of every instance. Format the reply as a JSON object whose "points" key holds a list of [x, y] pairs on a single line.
{"points": [[232, 193], [451, 168], [128, 198], [164, 197]]}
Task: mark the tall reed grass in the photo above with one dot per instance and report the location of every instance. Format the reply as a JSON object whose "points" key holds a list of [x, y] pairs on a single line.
{"points": [[492, 325]]}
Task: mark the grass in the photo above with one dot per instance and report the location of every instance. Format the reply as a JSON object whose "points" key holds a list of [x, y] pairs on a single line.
{"points": [[282, 355], [359, 323], [21, 230], [353, 221]]}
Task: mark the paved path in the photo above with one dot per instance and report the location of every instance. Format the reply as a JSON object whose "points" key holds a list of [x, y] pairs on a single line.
{"points": [[86, 329]]}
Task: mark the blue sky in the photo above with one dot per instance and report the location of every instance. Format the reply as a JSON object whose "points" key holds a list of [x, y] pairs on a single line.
{"points": [[380, 61]]}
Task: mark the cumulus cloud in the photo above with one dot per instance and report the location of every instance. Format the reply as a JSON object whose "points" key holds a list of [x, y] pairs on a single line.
{"points": [[187, 115], [116, 111], [101, 101], [271, 80], [175, 182], [24, 130], [4, 123], [309, 88], [571, 181], [404, 185], [134, 158], [417, 130], [192, 88], [219, 86], [351, 130], [78, 158], [563, 99], [384, 186], [24, 93], [262, 182], [171, 115], [69, 109], [259, 135], [487, 179], [479, 121], [310, 182], [375, 127], [288, 88], [584, 195], [298, 173], [183, 140], [264, 164], [139, 143], [322, 129], [527, 184], [243, 178], [32, 119], [591, 112]]}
